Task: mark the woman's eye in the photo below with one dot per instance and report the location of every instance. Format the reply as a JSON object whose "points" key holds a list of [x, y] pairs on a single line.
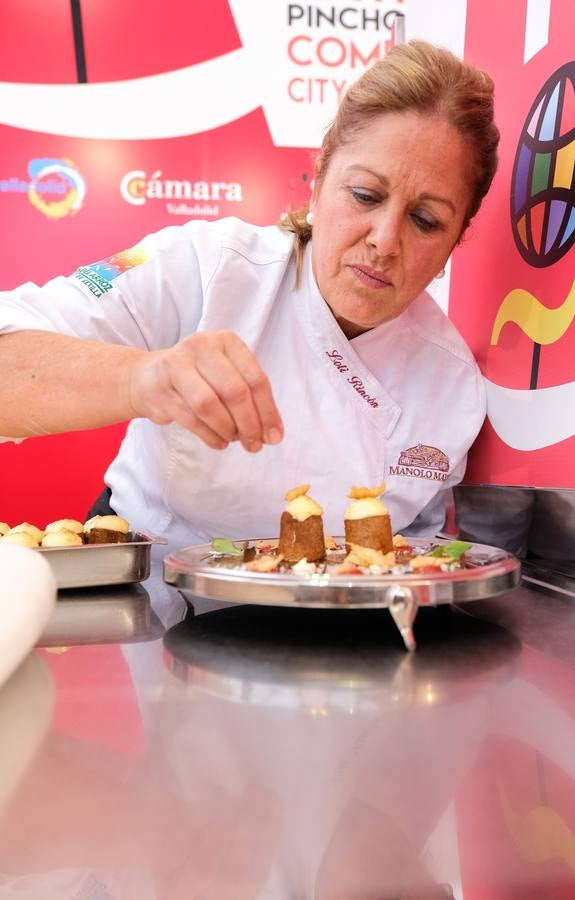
{"points": [[363, 196], [423, 223]]}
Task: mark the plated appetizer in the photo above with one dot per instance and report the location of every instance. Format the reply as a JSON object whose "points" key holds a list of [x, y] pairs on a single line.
{"points": [[301, 528], [265, 557], [367, 548], [367, 522]]}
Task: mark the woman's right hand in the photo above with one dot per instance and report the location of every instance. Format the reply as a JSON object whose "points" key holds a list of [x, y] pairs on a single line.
{"points": [[211, 384]]}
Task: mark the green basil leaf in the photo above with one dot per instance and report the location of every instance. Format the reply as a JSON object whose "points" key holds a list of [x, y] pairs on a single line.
{"points": [[439, 551], [455, 549], [222, 545]]}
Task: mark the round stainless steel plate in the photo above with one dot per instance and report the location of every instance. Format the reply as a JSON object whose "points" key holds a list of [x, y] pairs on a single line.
{"points": [[489, 571]]}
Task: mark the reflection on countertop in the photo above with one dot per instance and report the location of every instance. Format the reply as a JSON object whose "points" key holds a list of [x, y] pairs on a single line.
{"points": [[102, 616], [354, 660], [247, 753]]}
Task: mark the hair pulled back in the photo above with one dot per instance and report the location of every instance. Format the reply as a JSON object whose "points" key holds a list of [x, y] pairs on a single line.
{"points": [[416, 76]]}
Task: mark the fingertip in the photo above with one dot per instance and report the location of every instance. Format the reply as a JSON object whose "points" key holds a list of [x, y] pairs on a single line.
{"points": [[252, 446], [274, 436]]}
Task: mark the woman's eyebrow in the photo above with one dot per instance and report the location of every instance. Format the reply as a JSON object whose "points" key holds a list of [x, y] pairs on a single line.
{"points": [[437, 199], [385, 183], [355, 167]]}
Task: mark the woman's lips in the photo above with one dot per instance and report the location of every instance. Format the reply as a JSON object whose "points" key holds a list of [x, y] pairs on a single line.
{"points": [[371, 277]]}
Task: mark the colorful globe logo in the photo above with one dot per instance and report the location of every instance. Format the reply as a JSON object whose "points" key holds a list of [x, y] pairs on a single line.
{"points": [[543, 184]]}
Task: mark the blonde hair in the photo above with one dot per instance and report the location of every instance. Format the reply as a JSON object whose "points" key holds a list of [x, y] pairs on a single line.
{"points": [[420, 77]]}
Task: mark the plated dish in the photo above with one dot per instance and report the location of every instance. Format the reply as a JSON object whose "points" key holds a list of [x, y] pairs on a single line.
{"points": [[483, 571], [340, 559]]}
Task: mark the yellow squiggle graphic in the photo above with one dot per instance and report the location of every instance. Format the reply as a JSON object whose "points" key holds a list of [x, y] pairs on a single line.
{"points": [[540, 834], [541, 324]]}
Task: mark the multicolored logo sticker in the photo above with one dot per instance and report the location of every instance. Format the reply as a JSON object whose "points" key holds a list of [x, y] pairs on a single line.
{"points": [[55, 187], [542, 200], [98, 276]]}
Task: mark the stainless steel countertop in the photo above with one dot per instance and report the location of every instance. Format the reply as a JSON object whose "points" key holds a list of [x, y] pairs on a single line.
{"points": [[276, 754]]}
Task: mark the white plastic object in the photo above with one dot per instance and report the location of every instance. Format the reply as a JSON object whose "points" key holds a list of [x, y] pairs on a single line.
{"points": [[27, 597]]}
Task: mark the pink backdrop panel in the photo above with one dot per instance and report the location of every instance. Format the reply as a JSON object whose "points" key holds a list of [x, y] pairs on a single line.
{"points": [[240, 153], [132, 40], [532, 351], [60, 476], [55, 477], [36, 42]]}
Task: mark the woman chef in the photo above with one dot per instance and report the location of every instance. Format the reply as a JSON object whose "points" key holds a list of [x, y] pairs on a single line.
{"points": [[252, 359]]}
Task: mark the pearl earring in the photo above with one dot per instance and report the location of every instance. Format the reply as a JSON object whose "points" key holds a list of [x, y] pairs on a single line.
{"points": [[440, 274], [309, 218]]}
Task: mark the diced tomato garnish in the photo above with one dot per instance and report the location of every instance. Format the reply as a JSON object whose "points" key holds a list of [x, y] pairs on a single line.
{"points": [[267, 549]]}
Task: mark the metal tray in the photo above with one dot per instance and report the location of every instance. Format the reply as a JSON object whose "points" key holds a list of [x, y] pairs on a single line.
{"points": [[96, 565], [489, 572]]}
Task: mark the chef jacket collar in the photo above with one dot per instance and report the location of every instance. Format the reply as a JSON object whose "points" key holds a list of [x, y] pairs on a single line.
{"points": [[338, 355]]}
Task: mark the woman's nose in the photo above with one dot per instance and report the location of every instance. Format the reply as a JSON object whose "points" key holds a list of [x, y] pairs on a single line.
{"points": [[385, 232]]}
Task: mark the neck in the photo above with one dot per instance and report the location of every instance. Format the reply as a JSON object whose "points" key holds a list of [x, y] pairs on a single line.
{"points": [[350, 329]]}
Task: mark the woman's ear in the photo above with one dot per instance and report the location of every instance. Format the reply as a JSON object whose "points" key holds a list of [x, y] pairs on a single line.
{"points": [[317, 172]]}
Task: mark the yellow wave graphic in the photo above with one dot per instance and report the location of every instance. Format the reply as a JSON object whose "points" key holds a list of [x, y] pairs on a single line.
{"points": [[541, 324], [540, 834]]}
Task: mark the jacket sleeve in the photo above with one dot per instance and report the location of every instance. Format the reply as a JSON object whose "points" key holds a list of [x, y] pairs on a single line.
{"points": [[149, 296]]}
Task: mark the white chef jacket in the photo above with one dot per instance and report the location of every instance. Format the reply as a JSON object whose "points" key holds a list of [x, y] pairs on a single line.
{"points": [[401, 403]]}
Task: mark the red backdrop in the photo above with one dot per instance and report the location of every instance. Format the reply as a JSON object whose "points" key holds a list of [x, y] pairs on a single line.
{"points": [[55, 476], [528, 437], [239, 114]]}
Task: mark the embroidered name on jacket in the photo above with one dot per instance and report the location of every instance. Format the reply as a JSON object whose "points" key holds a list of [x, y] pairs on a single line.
{"points": [[354, 380], [422, 461]]}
